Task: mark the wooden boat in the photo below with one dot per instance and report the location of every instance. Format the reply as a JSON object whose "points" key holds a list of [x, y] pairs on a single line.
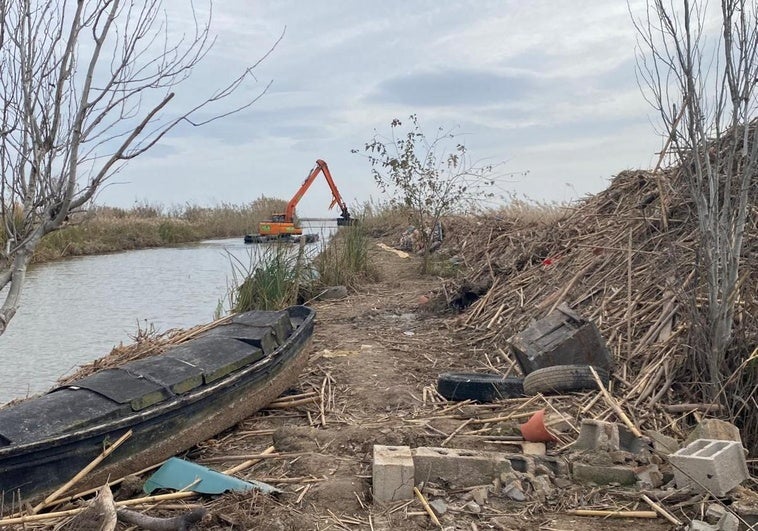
{"points": [[170, 401]]}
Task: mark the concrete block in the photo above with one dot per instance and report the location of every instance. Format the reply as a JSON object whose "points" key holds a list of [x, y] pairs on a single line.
{"points": [[718, 466], [393, 473], [715, 430], [458, 468], [604, 475], [608, 436]]}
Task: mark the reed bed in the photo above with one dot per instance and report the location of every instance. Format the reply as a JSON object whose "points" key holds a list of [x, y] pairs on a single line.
{"points": [[344, 259], [106, 229]]}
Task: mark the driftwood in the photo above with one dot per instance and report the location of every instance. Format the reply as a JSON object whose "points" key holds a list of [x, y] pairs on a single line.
{"points": [[99, 515], [183, 522]]}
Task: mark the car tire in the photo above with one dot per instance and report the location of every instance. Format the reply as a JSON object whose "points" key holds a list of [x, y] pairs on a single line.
{"points": [[483, 387], [562, 379]]}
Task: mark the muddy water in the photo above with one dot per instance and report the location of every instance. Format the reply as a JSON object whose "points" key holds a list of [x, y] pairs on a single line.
{"points": [[76, 310]]}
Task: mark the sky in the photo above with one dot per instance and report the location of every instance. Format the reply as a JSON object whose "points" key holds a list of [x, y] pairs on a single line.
{"points": [[547, 88]]}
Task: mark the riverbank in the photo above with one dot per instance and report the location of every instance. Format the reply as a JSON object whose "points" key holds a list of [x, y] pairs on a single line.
{"points": [[106, 229], [371, 380]]}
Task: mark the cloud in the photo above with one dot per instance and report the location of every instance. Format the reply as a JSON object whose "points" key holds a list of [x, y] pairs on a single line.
{"points": [[454, 87], [547, 86]]}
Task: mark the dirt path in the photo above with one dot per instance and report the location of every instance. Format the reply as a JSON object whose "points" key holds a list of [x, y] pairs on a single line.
{"points": [[373, 356]]}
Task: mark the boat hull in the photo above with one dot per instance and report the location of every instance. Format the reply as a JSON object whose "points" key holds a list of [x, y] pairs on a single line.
{"points": [[159, 431]]}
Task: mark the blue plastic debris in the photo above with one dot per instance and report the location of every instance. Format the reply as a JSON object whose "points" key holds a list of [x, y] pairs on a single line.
{"points": [[179, 474]]}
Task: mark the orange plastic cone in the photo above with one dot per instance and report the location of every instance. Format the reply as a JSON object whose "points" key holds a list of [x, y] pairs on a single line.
{"points": [[534, 430]]}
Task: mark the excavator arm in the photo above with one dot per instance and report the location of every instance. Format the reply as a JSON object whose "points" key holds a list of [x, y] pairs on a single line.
{"points": [[320, 167]]}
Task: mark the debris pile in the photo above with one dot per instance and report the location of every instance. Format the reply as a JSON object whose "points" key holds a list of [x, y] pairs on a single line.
{"points": [[626, 259]]}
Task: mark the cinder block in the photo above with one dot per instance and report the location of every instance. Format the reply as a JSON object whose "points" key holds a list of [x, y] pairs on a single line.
{"points": [[714, 429], [392, 473], [561, 338], [603, 475], [718, 466], [458, 468], [609, 436]]}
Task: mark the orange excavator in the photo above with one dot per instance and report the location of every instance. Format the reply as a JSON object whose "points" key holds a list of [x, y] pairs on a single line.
{"points": [[282, 226]]}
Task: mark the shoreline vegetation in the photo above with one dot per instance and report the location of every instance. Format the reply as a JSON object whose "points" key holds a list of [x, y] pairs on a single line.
{"points": [[104, 229]]}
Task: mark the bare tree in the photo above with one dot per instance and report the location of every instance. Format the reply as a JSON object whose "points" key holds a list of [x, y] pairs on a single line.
{"points": [[87, 85], [702, 81]]}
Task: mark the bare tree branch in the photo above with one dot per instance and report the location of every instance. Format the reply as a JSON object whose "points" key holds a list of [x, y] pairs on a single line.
{"points": [[87, 86]]}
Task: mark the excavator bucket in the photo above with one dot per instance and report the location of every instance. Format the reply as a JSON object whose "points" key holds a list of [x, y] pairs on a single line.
{"points": [[344, 222]]}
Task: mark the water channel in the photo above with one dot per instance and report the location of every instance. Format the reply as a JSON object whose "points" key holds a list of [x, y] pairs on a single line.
{"points": [[76, 310]]}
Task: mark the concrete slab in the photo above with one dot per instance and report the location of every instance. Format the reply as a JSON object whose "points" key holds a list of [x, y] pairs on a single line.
{"points": [[458, 468], [603, 475]]}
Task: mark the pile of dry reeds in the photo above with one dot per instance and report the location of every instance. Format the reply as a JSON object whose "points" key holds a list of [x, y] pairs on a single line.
{"points": [[627, 259]]}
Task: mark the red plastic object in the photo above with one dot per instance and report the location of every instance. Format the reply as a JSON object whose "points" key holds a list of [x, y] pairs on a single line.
{"points": [[534, 429]]}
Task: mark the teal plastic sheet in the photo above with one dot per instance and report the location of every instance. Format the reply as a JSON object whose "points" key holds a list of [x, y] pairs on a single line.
{"points": [[178, 474]]}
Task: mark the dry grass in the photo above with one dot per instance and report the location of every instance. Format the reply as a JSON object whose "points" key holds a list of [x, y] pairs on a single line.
{"points": [[625, 258], [108, 229]]}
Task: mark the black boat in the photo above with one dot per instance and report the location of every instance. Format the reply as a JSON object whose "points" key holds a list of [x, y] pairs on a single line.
{"points": [[170, 401]]}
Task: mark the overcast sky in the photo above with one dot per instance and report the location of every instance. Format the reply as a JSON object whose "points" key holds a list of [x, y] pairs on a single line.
{"points": [[548, 87]]}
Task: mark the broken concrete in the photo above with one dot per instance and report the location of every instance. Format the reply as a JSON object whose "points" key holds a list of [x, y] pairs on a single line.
{"points": [[514, 491], [439, 506], [713, 465], [393, 473], [699, 525], [461, 468], [714, 429], [603, 475], [648, 477], [533, 448], [607, 436], [662, 444], [543, 487], [747, 511], [722, 518]]}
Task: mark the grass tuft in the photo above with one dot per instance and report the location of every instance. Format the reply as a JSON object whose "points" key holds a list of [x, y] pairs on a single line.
{"points": [[344, 260], [273, 279]]}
